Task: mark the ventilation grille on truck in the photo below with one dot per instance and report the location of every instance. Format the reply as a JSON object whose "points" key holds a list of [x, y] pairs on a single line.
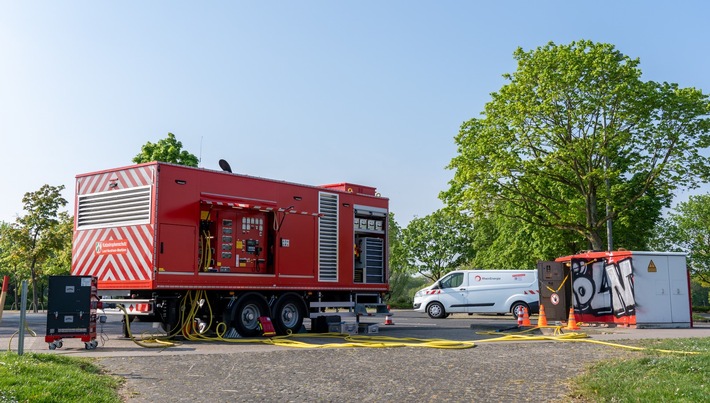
{"points": [[111, 209], [328, 237]]}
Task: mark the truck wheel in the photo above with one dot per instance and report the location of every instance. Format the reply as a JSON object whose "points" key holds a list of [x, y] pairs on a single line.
{"points": [[288, 314], [247, 313], [517, 309], [436, 310]]}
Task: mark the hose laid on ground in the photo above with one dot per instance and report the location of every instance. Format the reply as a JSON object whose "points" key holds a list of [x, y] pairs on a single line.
{"points": [[150, 341], [27, 328], [191, 304], [560, 335]]}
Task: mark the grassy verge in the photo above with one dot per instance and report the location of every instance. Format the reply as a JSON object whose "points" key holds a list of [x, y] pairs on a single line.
{"points": [[652, 376], [53, 378]]}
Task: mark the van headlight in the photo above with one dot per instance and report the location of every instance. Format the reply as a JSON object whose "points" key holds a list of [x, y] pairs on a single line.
{"points": [[418, 294]]}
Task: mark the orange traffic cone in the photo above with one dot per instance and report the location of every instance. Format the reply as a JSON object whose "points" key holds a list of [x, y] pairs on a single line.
{"points": [[520, 318], [526, 318], [388, 320], [542, 319], [571, 322]]}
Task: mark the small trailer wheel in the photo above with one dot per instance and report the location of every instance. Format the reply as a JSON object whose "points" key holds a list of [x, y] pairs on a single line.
{"points": [[60, 344], [52, 346]]}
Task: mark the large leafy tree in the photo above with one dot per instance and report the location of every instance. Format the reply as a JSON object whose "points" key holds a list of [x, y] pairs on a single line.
{"points": [[166, 150], [34, 236], [574, 131], [438, 243], [504, 243], [687, 229]]}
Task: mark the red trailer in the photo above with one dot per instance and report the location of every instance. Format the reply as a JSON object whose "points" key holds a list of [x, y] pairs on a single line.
{"points": [[255, 247]]}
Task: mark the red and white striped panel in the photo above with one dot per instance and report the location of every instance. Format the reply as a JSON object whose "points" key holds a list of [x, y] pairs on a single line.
{"points": [[430, 292], [531, 292], [132, 263], [126, 178]]}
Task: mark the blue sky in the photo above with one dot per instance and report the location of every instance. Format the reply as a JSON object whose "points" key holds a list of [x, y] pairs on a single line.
{"points": [[313, 92]]}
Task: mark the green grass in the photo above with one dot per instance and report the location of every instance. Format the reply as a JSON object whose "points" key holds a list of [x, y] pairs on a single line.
{"points": [[53, 378], [651, 376]]}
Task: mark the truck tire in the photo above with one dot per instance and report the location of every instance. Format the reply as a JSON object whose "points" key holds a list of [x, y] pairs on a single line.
{"points": [[517, 308], [288, 314], [246, 315], [436, 311]]}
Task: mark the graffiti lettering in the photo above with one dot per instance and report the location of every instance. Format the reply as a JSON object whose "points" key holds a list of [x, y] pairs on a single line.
{"points": [[622, 288]]}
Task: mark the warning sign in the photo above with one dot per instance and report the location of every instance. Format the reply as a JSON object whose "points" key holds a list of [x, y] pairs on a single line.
{"points": [[651, 267], [555, 298]]}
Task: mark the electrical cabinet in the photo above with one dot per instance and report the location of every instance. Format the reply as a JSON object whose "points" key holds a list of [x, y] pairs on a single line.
{"points": [[71, 310], [555, 289]]}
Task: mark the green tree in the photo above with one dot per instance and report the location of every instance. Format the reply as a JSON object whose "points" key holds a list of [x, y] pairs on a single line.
{"points": [[687, 229], [572, 119], [438, 243], [166, 150], [501, 242], [400, 271], [34, 237], [59, 238]]}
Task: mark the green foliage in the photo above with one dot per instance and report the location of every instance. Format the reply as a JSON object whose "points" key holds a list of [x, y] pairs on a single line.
{"points": [[398, 266], [166, 150], [501, 242], [687, 229], [438, 243], [38, 237], [654, 377], [571, 119], [699, 294], [50, 378]]}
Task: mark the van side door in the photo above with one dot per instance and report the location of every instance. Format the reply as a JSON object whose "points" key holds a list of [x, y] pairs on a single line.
{"points": [[453, 292]]}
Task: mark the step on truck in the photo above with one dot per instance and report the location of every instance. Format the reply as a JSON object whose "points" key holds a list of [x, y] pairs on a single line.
{"points": [[157, 235]]}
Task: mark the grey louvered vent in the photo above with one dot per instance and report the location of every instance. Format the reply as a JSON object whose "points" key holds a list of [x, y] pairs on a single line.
{"points": [[328, 237], [111, 209], [373, 255]]}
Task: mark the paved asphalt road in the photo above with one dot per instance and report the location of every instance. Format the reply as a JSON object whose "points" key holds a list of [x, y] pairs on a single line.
{"points": [[226, 372]]}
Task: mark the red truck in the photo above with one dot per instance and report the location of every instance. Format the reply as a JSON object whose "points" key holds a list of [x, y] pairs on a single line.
{"points": [[253, 247]]}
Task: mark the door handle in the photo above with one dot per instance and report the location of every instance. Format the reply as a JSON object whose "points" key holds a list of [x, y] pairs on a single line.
{"points": [[161, 247], [462, 289]]}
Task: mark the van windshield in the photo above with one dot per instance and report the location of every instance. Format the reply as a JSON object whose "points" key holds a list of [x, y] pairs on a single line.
{"points": [[452, 280]]}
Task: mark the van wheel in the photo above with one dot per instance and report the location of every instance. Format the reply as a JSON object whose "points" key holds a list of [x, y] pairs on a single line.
{"points": [[436, 311], [517, 309]]}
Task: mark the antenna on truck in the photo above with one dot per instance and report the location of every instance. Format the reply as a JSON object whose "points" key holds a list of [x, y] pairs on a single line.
{"points": [[225, 166]]}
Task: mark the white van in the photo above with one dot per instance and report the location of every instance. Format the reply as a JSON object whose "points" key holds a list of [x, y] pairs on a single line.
{"points": [[480, 291]]}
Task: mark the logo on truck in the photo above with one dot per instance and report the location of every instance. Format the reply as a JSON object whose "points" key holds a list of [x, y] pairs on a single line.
{"points": [[112, 247]]}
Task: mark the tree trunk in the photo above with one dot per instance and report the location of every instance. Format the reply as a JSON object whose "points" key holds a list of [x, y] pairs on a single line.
{"points": [[595, 240]]}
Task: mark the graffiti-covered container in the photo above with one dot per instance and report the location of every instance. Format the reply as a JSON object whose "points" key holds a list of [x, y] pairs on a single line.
{"points": [[646, 289]]}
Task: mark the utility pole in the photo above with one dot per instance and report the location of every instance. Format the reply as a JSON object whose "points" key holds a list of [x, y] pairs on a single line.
{"points": [[609, 238]]}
